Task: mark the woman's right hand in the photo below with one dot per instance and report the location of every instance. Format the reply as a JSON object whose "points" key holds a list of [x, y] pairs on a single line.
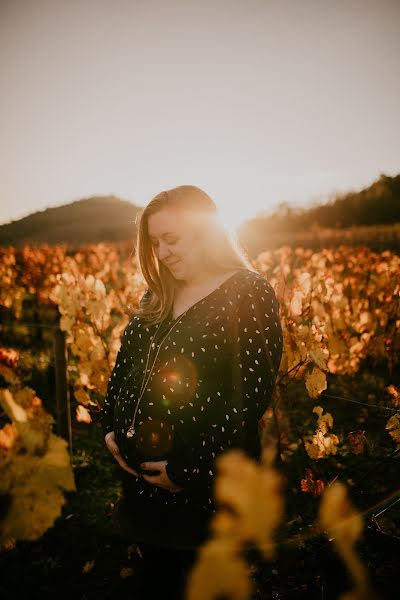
{"points": [[111, 444]]}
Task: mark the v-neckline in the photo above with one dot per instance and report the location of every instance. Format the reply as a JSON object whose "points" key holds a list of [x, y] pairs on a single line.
{"points": [[172, 320]]}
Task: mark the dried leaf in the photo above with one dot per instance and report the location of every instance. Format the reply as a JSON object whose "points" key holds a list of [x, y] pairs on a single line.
{"points": [[309, 486], [356, 440], [395, 394]]}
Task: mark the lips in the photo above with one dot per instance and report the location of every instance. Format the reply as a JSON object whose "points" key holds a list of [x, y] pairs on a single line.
{"points": [[172, 264]]}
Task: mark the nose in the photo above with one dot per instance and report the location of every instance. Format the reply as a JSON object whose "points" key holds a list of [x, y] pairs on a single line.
{"points": [[163, 252]]}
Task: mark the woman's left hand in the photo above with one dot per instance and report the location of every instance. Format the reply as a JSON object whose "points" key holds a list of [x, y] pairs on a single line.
{"points": [[162, 479]]}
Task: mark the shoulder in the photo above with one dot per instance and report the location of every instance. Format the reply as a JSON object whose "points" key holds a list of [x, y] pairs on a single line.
{"points": [[135, 320], [255, 284]]}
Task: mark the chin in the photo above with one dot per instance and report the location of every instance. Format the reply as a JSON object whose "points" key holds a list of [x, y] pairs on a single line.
{"points": [[179, 272]]}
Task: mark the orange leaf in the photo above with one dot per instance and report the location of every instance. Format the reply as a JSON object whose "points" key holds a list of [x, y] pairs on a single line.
{"points": [[309, 486]]}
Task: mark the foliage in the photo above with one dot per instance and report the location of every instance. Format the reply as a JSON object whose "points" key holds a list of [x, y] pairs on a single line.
{"points": [[340, 310], [35, 469], [345, 525], [251, 506]]}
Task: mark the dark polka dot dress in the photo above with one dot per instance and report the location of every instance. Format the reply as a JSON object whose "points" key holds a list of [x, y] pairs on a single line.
{"points": [[187, 390]]}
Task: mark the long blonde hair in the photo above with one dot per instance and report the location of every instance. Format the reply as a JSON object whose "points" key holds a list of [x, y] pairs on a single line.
{"points": [[221, 248]]}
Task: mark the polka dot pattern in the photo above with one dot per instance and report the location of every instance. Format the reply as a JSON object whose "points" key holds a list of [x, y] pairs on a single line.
{"points": [[212, 380]]}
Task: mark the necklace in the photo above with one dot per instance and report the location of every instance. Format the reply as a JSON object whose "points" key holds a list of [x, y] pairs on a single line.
{"points": [[131, 431]]}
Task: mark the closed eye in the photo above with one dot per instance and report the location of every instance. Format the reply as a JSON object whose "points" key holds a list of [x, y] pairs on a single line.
{"points": [[169, 243]]}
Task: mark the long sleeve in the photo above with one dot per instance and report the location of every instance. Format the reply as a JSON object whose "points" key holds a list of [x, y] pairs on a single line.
{"points": [[257, 351], [118, 375], [114, 383]]}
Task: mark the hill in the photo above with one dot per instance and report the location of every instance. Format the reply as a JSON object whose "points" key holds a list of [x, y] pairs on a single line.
{"points": [[91, 220], [108, 218], [375, 206]]}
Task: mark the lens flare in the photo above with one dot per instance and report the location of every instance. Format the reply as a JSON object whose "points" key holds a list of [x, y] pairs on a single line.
{"points": [[154, 438], [175, 385]]}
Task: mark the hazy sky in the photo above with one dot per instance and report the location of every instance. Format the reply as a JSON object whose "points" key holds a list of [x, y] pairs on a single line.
{"points": [[255, 101]]}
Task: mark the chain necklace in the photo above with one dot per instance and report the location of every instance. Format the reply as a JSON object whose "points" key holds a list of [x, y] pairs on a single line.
{"points": [[131, 431]]}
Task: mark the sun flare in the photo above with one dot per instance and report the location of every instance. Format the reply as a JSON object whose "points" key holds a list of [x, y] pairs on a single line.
{"points": [[231, 217]]}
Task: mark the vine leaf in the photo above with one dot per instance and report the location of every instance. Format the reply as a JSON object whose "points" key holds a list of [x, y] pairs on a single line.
{"points": [[322, 443], [344, 526], [35, 469], [311, 486], [316, 382]]}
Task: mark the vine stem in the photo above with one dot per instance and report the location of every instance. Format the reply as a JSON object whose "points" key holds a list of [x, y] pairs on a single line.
{"points": [[302, 362]]}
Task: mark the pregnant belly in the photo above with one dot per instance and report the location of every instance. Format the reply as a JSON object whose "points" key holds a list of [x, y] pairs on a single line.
{"points": [[158, 431], [153, 441]]}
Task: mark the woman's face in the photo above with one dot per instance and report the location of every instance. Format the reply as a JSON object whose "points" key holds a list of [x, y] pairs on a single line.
{"points": [[171, 234]]}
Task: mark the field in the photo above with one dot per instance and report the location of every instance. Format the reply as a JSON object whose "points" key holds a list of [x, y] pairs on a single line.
{"points": [[340, 313]]}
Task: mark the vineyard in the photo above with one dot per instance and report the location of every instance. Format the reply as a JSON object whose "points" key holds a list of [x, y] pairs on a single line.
{"points": [[320, 518]]}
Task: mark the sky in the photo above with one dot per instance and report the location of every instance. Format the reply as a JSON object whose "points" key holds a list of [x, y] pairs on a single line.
{"points": [[257, 102]]}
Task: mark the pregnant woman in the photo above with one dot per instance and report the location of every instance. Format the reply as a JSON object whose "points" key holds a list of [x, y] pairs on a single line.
{"points": [[194, 374]]}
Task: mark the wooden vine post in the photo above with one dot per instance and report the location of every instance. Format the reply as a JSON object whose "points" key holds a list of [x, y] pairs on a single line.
{"points": [[64, 428]]}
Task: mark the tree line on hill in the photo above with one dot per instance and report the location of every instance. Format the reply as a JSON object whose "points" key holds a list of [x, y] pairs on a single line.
{"points": [[107, 218], [376, 205]]}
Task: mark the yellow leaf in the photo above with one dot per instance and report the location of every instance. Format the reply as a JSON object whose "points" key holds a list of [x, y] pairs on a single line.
{"points": [[95, 308], [82, 396], [325, 422], [9, 375], [322, 443], [33, 438], [83, 415], [344, 525], [66, 323], [244, 486], [305, 283], [393, 428], [84, 339], [98, 352], [315, 382], [296, 303], [12, 408], [33, 475], [88, 566], [29, 515], [8, 446], [320, 357], [338, 516], [219, 571], [336, 345]]}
